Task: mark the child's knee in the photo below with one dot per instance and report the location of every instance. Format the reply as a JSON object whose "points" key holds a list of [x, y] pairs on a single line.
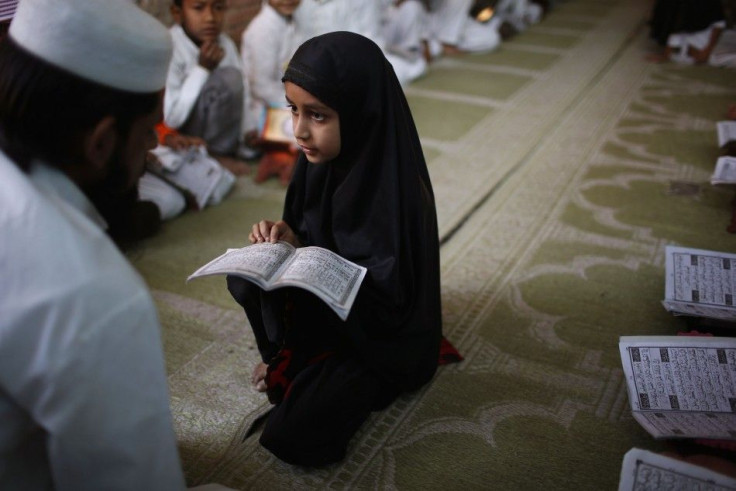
{"points": [[228, 80]]}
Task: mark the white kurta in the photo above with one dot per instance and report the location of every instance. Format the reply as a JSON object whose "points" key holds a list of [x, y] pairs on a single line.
{"points": [[450, 23], [520, 13], [187, 77], [83, 392], [315, 17], [680, 42], [266, 47], [169, 201]]}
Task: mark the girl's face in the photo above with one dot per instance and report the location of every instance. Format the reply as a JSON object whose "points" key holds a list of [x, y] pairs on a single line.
{"points": [[316, 126]]}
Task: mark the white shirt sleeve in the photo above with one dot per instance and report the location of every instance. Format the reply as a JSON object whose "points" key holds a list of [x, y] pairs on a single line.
{"points": [[184, 81], [261, 52], [106, 407], [83, 389], [448, 20]]}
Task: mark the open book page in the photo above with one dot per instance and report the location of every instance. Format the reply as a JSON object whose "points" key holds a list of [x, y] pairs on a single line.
{"points": [[642, 470], [171, 159], [277, 125], [682, 386], [725, 171], [700, 282], [194, 170], [726, 132], [259, 263], [327, 275], [332, 278], [200, 175]]}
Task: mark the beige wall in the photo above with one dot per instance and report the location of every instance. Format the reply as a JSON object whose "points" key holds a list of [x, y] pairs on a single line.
{"points": [[239, 13]]}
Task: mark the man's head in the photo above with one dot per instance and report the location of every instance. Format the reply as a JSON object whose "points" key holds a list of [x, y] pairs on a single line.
{"points": [[202, 20], [80, 87]]}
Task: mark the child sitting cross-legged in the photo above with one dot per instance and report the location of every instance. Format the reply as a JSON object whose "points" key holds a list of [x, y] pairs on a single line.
{"points": [[360, 188], [206, 91]]}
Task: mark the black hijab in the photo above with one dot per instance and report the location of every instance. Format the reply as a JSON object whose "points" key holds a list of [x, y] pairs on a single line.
{"points": [[373, 204]]}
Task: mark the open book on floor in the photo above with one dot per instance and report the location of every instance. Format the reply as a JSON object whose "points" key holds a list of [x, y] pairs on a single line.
{"points": [[331, 277], [642, 469], [700, 283], [725, 171], [726, 132], [194, 171], [682, 386]]}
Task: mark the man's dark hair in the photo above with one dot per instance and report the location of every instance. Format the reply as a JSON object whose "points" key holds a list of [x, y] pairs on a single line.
{"points": [[45, 110]]}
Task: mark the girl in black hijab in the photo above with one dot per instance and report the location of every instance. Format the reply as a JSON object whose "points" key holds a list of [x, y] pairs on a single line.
{"points": [[361, 189]]}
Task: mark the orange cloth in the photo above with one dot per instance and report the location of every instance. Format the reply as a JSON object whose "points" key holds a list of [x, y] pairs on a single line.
{"points": [[163, 131]]}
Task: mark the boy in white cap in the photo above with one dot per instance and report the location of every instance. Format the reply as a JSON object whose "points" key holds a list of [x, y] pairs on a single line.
{"points": [[83, 392], [207, 94]]}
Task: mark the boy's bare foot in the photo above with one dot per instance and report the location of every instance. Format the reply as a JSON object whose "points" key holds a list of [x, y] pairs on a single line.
{"points": [[258, 379], [237, 167]]}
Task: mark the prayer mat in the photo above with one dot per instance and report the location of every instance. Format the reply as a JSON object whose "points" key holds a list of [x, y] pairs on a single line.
{"points": [[553, 160]]}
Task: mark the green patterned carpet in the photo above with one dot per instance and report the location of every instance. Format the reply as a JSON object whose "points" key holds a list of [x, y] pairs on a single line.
{"points": [[563, 164]]}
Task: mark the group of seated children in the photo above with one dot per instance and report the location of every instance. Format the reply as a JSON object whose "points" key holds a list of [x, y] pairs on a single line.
{"points": [[219, 98]]}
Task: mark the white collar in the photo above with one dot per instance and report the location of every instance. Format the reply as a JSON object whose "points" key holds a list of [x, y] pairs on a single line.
{"points": [[54, 183]]}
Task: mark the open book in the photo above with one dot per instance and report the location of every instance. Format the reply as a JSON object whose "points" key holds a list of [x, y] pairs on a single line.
{"points": [[725, 171], [682, 386], [332, 278], [195, 171], [700, 283], [726, 132], [276, 125], [642, 469]]}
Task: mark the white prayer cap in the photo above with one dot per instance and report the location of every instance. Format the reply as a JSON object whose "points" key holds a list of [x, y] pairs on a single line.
{"points": [[111, 42], [7, 9]]}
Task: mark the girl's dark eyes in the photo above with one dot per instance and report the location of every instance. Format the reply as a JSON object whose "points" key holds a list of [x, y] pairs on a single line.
{"points": [[313, 114]]}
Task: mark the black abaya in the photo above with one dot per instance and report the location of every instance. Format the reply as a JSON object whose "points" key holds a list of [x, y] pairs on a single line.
{"points": [[374, 205]]}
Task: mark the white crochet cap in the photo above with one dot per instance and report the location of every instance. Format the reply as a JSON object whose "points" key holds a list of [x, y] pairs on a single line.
{"points": [[111, 42], [7, 9]]}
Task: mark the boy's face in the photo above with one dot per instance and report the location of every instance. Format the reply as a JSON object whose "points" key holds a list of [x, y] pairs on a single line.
{"points": [[316, 126], [201, 19], [284, 7]]}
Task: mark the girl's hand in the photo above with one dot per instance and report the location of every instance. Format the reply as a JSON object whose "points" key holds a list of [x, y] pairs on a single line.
{"points": [[268, 231]]}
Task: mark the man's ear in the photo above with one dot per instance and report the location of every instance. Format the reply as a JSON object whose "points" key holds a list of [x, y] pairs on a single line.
{"points": [[100, 143], [176, 13]]}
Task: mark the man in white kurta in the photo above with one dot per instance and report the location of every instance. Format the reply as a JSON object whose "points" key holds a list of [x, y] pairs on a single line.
{"points": [[266, 47], [83, 393]]}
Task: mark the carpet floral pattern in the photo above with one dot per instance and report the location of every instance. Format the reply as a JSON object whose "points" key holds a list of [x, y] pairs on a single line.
{"points": [[563, 164]]}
